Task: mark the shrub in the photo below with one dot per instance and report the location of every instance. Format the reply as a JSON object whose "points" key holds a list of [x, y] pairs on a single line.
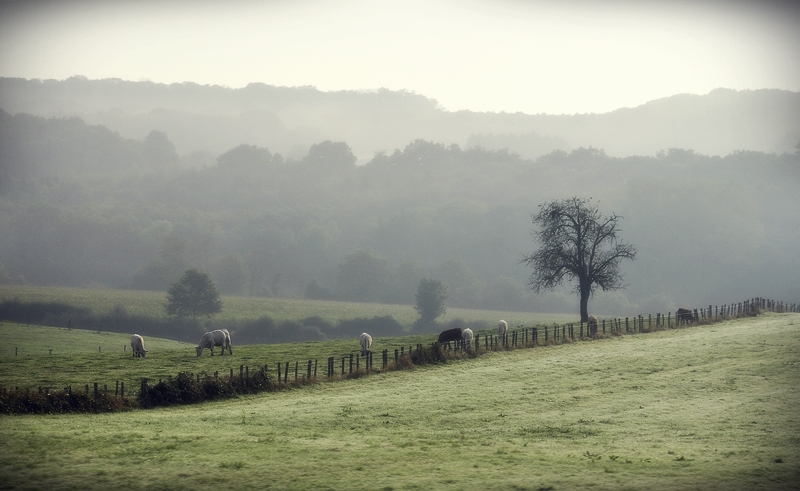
{"points": [[183, 389], [187, 388], [23, 401], [402, 363], [424, 355], [37, 312], [265, 331]]}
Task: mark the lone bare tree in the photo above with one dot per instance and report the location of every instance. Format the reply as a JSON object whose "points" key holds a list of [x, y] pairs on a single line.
{"points": [[577, 243]]}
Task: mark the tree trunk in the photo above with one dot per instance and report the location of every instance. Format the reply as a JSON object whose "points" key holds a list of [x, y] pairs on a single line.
{"points": [[585, 304]]}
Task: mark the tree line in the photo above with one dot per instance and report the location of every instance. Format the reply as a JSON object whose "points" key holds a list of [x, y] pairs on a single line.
{"points": [[85, 206]]}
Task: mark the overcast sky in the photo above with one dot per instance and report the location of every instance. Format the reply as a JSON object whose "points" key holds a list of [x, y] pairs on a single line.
{"points": [[569, 56]]}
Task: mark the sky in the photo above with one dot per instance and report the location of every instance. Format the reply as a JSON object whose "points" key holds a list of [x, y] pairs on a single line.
{"points": [[536, 56]]}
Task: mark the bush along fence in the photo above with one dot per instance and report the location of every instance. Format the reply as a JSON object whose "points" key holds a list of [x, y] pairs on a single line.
{"points": [[47, 401], [188, 388]]}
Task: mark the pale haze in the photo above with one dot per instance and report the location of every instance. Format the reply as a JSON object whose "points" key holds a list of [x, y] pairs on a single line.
{"points": [[513, 56]]}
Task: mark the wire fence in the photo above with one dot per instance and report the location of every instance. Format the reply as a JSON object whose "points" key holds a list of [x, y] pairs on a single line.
{"points": [[188, 388]]}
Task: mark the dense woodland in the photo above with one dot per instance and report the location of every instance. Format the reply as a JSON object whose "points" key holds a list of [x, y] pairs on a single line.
{"points": [[84, 206]]}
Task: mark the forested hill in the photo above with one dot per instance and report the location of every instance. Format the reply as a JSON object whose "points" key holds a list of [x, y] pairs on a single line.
{"points": [[82, 205], [288, 120]]}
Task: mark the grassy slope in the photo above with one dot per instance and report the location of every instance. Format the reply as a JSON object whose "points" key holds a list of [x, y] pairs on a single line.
{"points": [[82, 357], [712, 407], [34, 341], [151, 304]]}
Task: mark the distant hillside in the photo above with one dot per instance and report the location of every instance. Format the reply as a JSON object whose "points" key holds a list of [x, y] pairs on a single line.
{"points": [[83, 206], [214, 119]]}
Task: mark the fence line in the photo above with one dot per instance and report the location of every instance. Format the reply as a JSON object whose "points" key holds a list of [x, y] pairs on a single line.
{"points": [[351, 364], [527, 337]]}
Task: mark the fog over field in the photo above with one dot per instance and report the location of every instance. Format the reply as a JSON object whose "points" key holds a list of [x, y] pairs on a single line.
{"points": [[276, 145]]}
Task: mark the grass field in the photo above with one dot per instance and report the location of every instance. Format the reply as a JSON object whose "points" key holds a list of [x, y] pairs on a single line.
{"points": [[151, 304], [709, 408], [82, 357]]}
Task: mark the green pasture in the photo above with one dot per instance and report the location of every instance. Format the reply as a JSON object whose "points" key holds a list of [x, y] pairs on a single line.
{"points": [[710, 407], [151, 304], [81, 357], [23, 342]]}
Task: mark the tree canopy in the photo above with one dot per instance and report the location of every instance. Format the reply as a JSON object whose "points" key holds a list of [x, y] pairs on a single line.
{"points": [[431, 295], [195, 294], [81, 206], [580, 244]]}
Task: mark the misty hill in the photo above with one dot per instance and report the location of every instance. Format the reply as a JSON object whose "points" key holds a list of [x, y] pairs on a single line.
{"points": [[213, 119], [81, 205]]}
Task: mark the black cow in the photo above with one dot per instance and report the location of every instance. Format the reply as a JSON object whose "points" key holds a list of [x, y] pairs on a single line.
{"points": [[448, 335], [684, 316]]}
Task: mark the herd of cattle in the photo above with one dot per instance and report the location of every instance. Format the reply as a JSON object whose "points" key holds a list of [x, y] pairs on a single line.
{"points": [[222, 338], [210, 340]]}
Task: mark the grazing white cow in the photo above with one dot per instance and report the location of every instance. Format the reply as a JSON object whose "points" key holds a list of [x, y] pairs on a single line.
{"points": [[227, 342], [219, 337], [366, 343], [466, 336], [137, 346], [502, 328]]}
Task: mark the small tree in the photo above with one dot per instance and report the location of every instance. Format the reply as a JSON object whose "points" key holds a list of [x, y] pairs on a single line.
{"points": [[431, 295], [577, 243], [195, 294]]}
